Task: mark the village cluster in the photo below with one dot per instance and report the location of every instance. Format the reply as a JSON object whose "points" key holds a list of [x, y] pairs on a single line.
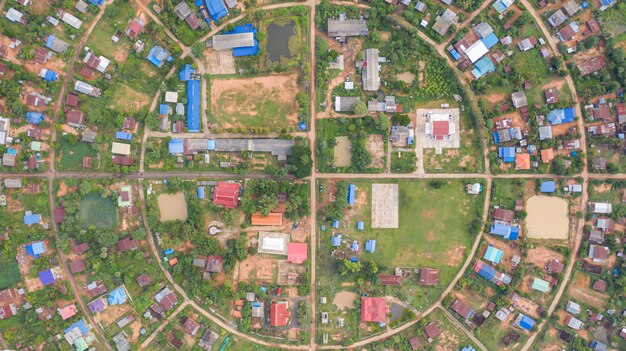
{"points": [[267, 175]]}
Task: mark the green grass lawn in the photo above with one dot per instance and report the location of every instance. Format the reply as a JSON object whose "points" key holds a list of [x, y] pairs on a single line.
{"points": [[403, 162], [493, 331], [96, 211], [72, 155], [504, 192], [531, 65], [9, 273]]}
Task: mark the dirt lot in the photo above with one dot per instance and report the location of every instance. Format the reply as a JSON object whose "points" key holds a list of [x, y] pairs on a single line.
{"points": [[237, 98], [172, 207], [548, 218], [257, 267], [525, 305], [506, 248], [515, 117], [219, 62], [376, 147], [495, 98], [111, 314], [540, 256], [581, 291], [385, 205], [128, 100]]}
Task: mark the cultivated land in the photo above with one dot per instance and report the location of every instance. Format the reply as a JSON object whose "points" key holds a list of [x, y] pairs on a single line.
{"points": [[83, 197]]}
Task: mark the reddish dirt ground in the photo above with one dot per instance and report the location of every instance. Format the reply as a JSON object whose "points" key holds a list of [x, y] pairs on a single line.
{"points": [[540, 256], [581, 291]]}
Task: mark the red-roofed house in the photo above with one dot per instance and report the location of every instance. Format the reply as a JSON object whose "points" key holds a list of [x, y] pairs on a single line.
{"points": [[599, 285], [191, 327], [71, 100], [143, 280], [374, 309], [226, 194], [547, 155], [67, 311], [58, 214], [80, 248], [127, 244], [621, 113], [501, 214], [297, 252], [522, 162], [122, 160], [41, 55], [463, 309], [135, 28], [75, 118], [279, 313], [432, 331], [270, 219], [429, 277], [7, 311], [77, 266], [388, 279], [441, 129]]}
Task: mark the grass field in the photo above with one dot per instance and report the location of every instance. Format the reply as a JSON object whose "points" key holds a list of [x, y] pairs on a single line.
{"points": [[504, 192], [531, 65], [9, 273], [493, 331], [72, 155], [126, 99], [96, 211]]}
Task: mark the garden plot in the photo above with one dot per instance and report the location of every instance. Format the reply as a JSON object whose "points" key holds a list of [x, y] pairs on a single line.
{"points": [[172, 207], [547, 218], [384, 205]]}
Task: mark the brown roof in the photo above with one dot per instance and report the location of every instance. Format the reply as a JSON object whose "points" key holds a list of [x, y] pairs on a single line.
{"points": [[169, 300], [75, 117], [77, 266], [123, 160], [143, 280], [129, 123], [127, 244], [58, 214], [270, 219], [71, 100], [510, 338], [501, 214], [191, 326], [99, 289], [593, 25], [603, 113], [429, 277], [41, 55], [415, 343], [388, 279], [460, 307], [80, 248], [555, 267], [551, 96], [86, 162], [86, 72], [432, 330], [34, 133], [591, 65], [599, 285], [192, 21]]}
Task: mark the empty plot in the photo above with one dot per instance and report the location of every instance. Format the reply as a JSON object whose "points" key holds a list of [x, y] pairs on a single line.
{"points": [[172, 207], [547, 218], [342, 152], [384, 205]]}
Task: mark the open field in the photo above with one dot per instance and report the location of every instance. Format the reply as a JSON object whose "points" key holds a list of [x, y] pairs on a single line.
{"points": [[268, 101], [343, 155], [126, 99], [72, 155], [172, 207], [98, 212], [9, 273], [547, 218]]}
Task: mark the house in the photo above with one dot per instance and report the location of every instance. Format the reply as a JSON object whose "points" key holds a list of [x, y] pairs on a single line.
{"points": [[595, 344], [438, 126], [507, 154], [75, 118], [559, 116], [370, 70], [81, 6], [126, 244], [592, 65], [573, 323], [95, 288], [601, 207], [87, 89], [547, 155], [540, 285], [462, 309], [522, 162], [8, 159], [606, 225], [571, 7], [374, 309], [71, 20], [80, 248], [432, 331], [135, 28], [47, 277], [489, 273], [415, 343], [122, 342], [572, 307], [129, 123], [71, 100], [188, 74], [15, 16], [41, 55], [120, 149], [548, 186], [121, 161], [500, 214], [143, 280], [443, 22], [527, 44], [191, 327], [182, 10], [493, 254], [545, 132], [420, 6], [89, 136], [524, 322], [36, 99], [555, 267], [7, 311], [226, 194], [158, 55], [387, 279], [596, 236], [279, 313], [429, 277], [501, 5], [598, 253], [621, 113], [557, 18], [346, 103], [297, 252], [77, 266], [506, 231], [601, 112], [166, 299], [568, 32], [67, 311], [272, 219], [208, 339], [343, 27], [99, 63]]}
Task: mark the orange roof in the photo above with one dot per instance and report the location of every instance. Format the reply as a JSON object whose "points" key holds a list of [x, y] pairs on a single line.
{"points": [[547, 155], [522, 161], [270, 219], [173, 261]]}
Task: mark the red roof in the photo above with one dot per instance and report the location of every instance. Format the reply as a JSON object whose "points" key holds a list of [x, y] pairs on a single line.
{"points": [[86, 72], [80, 248], [621, 109], [67, 311], [388, 279], [503, 215], [92, 60], [226, 194], [593, 25], [123, 160], [75, 117], [279, 314], [71, 100], [599, 285], [6, 311], [374, 309], [432, 330], [41, 55], [126, 244], [143, 280], [441, 128], [429, 277], [134, 29], [460, 307], [270, 219], [415, 343], [34, 133], [168, 301], [191, 326], [297, 252], [59, 214], [602, 112], [555, 267], [129, 123], [77, 266], [3, 68]]}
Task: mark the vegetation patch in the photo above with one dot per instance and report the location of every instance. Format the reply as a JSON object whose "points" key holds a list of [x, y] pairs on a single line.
{"points": [[97, 211]]}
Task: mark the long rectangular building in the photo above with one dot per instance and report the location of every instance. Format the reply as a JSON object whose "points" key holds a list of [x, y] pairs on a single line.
{"points": [[232, 41], [347, 28]]}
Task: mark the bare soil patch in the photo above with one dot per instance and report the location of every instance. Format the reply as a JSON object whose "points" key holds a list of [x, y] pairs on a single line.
{"points": [[495, 98], [342, 151], [257, 268], [111, 314], [345, 299], [219, 62], [455, 255], [547, 218], [540, 256], [376, 147], [407, 77], [580, 291], [172, 207]]}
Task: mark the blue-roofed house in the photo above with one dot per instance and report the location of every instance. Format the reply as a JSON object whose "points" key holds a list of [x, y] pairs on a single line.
{"points": [[216, 8], [193, 98], [245, 50], [548, 186], [493, 254], [607, 3], [370, 246], [336, 240], [96, 2], [201, 191], [46, 277], [561, 115], [336, 224], [35, 117], [164, 109], [505, 231], [355, 246], [158, 56], [36, 249], [468, 348], [524, 322], [502, 5], [455, 54], [176, 147], [123, 136], [80, 325], [507, 154], [117, 296], [186, 73], [482, 67], [360, 225], [351, 194], [31, 218], [490, 41]]}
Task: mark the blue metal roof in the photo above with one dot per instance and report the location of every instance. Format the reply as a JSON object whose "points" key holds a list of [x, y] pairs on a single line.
{"points": [[157, 55], [96, 2], [117, 296], [607, 2], [50, 76], [176, 146], [360, 225], [468, 348], [46, 277], [211, 145], [455, 54], [505, 231], [526, 323], [216, 9], [493, 254], [193, 106], [35, 117], [351, 194], [35, 249], [548, 186], [123, 136], [32, 219], [336, 224], [164, 109], [487, 272], [490, 40], [200, 192], [246, 50], [507, 154], [186, 72], [80, 325], [483, 66], [563, 115], [370, 246], [355, 246], [336, 240]]}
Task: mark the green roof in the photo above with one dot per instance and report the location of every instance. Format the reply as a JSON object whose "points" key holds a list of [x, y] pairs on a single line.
{"points": [[541, 285], [80, 344], [35, 146]]}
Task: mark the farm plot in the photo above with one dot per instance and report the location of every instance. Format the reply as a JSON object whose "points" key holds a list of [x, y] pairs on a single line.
{"points": [[268, 102]]}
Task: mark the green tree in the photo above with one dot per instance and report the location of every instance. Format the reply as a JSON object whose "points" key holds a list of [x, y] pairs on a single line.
{"points": [[360, 109], [197, 49]]}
